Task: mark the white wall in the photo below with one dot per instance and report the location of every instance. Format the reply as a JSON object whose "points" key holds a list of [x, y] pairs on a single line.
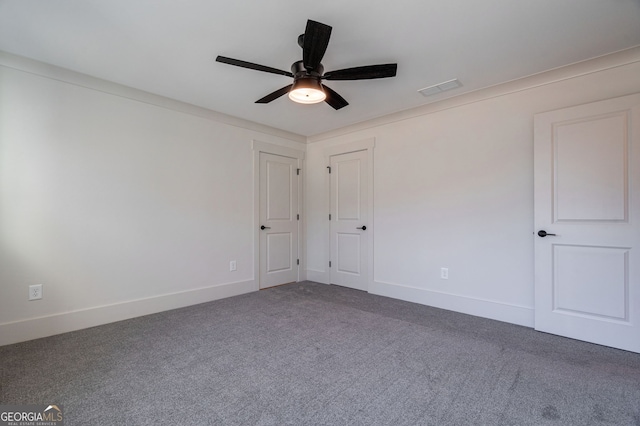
{"points": [[453, 187], [120, 203]]}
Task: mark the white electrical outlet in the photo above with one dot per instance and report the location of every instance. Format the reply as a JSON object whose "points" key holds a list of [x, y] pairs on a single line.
{"points": [[35, 292], [232, 265], [444, 273]]}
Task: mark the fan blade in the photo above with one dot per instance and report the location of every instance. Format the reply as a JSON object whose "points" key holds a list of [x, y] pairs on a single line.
{"points": [[336, 101], [363, 73], [316, 40], [252, 66], [274, 95]]}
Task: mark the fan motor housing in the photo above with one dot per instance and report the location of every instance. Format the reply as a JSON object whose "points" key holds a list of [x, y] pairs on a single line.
{"points": [[299, 71]]}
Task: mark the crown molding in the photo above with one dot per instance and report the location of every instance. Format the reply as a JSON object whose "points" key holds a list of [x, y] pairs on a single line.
{"points": [[54, 72], [578, 69]]}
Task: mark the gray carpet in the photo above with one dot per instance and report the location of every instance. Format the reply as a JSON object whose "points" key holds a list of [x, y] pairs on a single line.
{"points": [[311, 354]]}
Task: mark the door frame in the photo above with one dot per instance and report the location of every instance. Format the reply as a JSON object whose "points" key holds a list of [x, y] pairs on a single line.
{"points": [[363, 145], [257, 147]]}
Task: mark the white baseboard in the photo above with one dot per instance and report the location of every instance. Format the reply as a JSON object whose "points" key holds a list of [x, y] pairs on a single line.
{"points": [[514, 314], [35, 328], [317, 276]]}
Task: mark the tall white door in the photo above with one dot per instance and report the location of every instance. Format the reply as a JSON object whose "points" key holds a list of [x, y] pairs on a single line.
{"points": [[278, 220], [587, 201], [349, 220]]}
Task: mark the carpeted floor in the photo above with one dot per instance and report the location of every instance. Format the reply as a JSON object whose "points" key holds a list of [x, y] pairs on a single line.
{"points": [[312, 354]]}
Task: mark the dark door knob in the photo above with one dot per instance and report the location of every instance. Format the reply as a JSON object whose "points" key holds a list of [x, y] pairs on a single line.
{"points": [[364, 228], [543, 233], [265, 227]]}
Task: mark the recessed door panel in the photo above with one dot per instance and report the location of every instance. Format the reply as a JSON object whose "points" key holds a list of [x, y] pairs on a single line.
{"points": [[279, 176], [279, 248], [348, 190], [590, 162], [348, 253], [591, 281], [587, 202]]}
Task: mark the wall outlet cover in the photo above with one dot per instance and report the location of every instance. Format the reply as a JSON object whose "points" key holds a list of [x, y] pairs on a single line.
{"points": [[35, 292]]}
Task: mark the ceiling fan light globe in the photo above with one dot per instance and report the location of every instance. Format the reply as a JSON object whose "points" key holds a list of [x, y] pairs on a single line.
{"points": [[307, 95], [307, 91]]}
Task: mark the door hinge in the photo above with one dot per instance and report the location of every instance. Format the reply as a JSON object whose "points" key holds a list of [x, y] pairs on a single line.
{"points": [[329, 167], [297, 261], [329, 216], [329, 264], [298, 172], [298, 216]]}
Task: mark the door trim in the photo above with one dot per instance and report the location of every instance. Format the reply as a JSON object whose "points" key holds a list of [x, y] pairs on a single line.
{"points": [[257, 147], [362, 145]]}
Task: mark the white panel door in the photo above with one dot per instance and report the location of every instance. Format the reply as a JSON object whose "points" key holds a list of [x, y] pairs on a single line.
{"points": [[349, 217], [587, 200], [278, 220]]}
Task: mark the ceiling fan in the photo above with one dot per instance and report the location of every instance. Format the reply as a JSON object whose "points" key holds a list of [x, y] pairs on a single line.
{"points": [[308, 73]]}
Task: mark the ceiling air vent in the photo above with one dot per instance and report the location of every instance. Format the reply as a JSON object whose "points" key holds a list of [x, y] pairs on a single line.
{"points": [[440, 87]]}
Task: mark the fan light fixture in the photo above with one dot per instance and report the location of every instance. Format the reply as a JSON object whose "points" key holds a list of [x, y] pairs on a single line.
{"points": [[308, 74], [307, 91]]}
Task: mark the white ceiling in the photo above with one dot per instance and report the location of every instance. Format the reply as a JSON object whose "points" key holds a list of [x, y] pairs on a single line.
{"points": [[168, 47]]}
